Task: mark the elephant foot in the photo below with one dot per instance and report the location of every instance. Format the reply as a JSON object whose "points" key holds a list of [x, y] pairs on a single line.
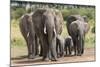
{"points": [[53, 59], [62, 55], [31, 57], [40, 55], [58, 56], [79, 54], [45, 59], [75, 54], [82, 52]]}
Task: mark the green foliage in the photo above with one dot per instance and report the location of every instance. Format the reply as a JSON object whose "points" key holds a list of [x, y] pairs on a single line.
{"points": [[67, 12], [93, 30], [17, 13], [89, 12]]}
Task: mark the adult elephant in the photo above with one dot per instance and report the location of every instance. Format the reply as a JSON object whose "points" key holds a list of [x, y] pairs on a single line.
{"points": [[27, 30], [45, 25], [59, 22], [77, 27]]}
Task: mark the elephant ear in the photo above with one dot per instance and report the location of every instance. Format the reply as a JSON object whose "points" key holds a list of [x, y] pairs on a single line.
{"points": [[87, 27]]}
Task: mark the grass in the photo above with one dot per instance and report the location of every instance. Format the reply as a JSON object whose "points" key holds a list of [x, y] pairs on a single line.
{"points": [[17, 39]]}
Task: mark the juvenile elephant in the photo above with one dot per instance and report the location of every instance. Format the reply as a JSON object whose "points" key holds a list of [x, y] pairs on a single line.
{"points": [[77, 28], [68, 45], [27, 30]]}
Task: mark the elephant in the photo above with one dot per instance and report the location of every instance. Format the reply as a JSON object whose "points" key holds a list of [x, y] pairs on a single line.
{"points": [[77, 27], [59, 40], [27, 30], [46, 25], [68, 45]]}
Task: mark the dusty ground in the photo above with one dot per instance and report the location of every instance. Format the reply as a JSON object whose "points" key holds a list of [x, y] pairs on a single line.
{"points": [[89, 55]]}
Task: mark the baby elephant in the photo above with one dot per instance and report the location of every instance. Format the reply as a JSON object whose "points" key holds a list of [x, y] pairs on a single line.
{"points": [[68, 45]]}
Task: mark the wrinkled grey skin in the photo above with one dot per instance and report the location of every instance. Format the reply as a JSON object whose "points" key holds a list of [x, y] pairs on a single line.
{"points": [[44, 26], [27, 30], [77, 28], [68, 45], [48, 25], [60, 46]]}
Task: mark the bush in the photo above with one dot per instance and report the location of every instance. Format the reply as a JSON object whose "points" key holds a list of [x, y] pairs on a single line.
{"points": [[89, 12], [16, 14], [93, 30], [67, 12]]}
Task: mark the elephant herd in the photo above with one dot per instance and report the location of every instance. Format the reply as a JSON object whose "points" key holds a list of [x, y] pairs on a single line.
{"points": [[42, 32]]}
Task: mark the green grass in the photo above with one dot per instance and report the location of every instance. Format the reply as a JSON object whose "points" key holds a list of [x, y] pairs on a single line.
{"points": [[17, 39]]}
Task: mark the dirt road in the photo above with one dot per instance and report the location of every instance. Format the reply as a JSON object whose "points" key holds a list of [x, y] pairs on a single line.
{"points": [[89, 55]]}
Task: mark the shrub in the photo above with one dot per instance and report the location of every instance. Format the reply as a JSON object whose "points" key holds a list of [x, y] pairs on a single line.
{"points": [[16, 14]]}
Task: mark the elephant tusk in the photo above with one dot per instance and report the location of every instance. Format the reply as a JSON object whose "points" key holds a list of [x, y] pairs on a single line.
{"points": [[28, 34], [45, 30]]}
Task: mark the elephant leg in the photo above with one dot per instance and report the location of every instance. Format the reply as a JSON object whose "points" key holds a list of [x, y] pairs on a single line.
{"points": [[29, 50], [45, 49], [66, 50], [75, 48], [57, 46], [41, 50], [36, 45], [33, 49], [79, 46], [82, 46], [53, 50], [69, 49], [61, 49]]}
